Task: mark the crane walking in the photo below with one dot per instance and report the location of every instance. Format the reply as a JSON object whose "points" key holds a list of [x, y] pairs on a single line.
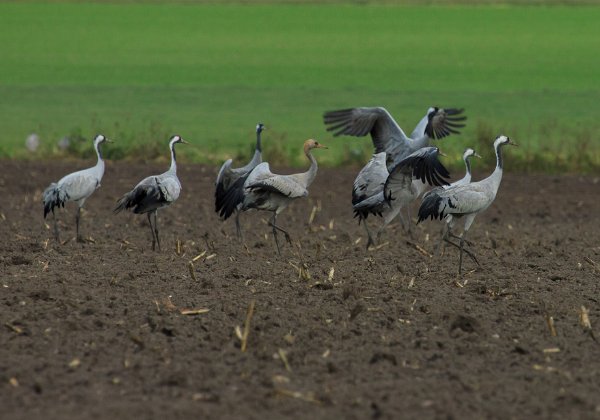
{"points": [[153, 193], [264, 190], [465, 201], [77, 186], [228, 175]]}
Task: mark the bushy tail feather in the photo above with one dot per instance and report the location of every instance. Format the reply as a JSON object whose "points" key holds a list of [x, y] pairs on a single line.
{"points": [[53, 197], [140, 199], [220, 193], [123, 203], [233, 197], [430, 207]]}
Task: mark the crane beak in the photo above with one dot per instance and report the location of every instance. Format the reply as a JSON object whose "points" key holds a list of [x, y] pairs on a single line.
{"points": [[512, 143], [109, 141], [320, 146], [442, 154], [184, 142], [477, 155]]}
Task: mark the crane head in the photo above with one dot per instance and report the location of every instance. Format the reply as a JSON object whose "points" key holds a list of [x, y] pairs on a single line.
{"points": [[100, 138], [470, 152], [503, 141], [313, 144], [177, 139]]}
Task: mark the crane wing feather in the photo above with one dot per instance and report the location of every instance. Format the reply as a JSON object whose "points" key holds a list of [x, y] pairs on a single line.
{"points": [[386, 134]]}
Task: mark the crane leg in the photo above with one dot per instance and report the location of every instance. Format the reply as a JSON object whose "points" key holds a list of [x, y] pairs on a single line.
{"points": [[407, 226], [152, 230], [462, 244], [277, 228], [441, 247], [77, 218], [388, 219], [156, 229], [466, 251], [56, 234], [370, 240], [238, 228], [452, 235]]}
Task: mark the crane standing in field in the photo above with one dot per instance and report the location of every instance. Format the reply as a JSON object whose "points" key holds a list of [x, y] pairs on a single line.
{"points": [[386, 196], [77, 186], [388, 137], [264, 190], [153, 193], [449, 225], [228, 175], [465, 201]]}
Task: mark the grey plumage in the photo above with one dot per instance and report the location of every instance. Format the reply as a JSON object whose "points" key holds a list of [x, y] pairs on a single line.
{"points": [[386, 134], [468, 153], [388, 137], [77, 186], [465, 201], [153, 193], [227, 177], [367, 191], [264, 190], [404, 182]]}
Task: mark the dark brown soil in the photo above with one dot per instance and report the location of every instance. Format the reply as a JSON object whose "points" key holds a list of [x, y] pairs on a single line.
{"points": [[95, 330]]}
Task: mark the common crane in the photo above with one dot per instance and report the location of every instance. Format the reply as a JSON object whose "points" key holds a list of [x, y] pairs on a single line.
{"points": [[77, 186], [404, 182], [463, 181], [228, 175], [465, 201], [153, 193], [264, 190]]}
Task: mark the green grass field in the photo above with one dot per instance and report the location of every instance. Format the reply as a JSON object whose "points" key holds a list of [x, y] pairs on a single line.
{"points": [[139, 72]]}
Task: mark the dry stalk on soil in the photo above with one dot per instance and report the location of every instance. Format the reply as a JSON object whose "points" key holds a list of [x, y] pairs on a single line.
{"points": [[584, 320], [551, 327], [308, 397], [283, 356], [243, 335]]}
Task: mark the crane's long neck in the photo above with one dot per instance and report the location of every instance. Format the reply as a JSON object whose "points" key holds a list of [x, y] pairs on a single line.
{"points": [[312, 171], [257, 157], [98, 151], [467, 176], [258, 141], [468, 166], [100, 162], [496, 176], [173, 168]]}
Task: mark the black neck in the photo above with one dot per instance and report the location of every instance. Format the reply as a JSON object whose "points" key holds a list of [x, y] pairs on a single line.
{"points": [[499, 156], [468, 165], [98, 151], [258, 144]]}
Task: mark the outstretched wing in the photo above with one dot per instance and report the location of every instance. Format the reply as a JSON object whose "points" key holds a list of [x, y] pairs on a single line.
{"points": [[386, 134], [440, 123], [422, 164]]}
